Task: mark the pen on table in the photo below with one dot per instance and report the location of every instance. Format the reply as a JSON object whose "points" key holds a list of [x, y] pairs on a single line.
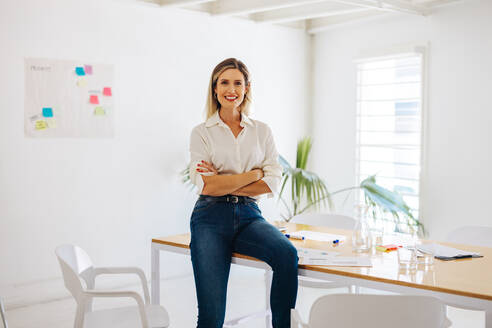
{"points": [[294, 237], [463, 256]]}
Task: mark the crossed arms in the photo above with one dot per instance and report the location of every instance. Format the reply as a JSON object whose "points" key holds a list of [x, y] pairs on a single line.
{"points": [[244, 184]]}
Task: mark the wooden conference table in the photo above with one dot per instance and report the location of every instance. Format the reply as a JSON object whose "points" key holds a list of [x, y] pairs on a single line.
{"points": [[465, 283]]}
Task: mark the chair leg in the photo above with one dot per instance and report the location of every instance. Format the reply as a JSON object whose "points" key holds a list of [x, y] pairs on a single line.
{"points": [[268, 286], [91, 284], [2, 313], [80, 314], [354, 289]]}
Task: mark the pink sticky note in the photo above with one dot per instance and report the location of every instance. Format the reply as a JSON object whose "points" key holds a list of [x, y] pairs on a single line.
{"points": [[94, 100], [88, 69], [107, 91]]}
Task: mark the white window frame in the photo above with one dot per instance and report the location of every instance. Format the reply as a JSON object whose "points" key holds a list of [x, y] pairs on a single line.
{"points": [[391, 53]]}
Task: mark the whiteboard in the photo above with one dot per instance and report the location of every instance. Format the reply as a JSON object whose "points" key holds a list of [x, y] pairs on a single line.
{"points": [[68, 99]]}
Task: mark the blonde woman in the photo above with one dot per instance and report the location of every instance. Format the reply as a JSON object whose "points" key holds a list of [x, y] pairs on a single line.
{"points": [[233, 161]]}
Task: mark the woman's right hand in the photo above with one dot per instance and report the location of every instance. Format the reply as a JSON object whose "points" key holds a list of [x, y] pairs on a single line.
{"points": [[259, 174], [206, 167]]}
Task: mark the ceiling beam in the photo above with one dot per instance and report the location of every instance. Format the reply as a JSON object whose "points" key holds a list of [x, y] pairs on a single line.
{"points": [[327, 23], [438, 3], [388, 5], [177, 3], [242, 7], [322, 9]]}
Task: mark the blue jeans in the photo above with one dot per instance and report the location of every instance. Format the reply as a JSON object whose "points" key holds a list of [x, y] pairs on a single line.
{"points": [[219, 228]]}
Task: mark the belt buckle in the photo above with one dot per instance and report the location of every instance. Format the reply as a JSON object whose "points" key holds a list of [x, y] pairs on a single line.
{"points": [[234, 199]]}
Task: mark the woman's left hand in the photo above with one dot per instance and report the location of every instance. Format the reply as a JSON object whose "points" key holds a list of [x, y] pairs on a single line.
{"points": [[206, 167]]}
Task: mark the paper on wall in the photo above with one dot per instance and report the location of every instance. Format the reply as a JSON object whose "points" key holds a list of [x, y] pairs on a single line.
{"points": [[61, 90]]}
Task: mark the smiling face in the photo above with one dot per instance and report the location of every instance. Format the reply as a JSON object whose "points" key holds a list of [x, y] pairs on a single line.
{"points": [[230, 88]]}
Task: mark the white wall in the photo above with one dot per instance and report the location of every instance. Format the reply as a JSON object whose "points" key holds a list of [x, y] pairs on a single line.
{"points": [[457, 177], [111, 196]]}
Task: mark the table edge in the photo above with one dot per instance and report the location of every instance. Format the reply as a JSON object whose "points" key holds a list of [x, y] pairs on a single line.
{"points": [[349, 274]]}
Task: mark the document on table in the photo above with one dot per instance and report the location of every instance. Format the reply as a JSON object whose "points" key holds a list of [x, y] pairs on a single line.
{"points": [[319, 236], [338, 261], [444, 252], [315, 253]]}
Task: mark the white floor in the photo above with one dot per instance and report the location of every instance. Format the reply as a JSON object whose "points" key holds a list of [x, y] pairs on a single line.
{"points": [[246, 294]]}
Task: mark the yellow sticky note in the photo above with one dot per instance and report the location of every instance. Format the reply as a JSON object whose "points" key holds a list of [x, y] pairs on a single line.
{"points": [[41, 125], [81, 83], [99, 111], [51, 123]]}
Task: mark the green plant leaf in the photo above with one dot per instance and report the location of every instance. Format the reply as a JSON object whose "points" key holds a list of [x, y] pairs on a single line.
{"points": [[307, 188], [390, 202]]}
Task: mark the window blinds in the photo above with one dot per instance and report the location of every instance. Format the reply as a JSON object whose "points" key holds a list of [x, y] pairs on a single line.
{"points": [[389, 124]]}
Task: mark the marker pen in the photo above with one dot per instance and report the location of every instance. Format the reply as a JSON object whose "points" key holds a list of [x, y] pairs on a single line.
{"points": [[294, 237]]}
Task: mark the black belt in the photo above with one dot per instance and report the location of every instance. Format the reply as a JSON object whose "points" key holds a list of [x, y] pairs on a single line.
{"points": [[228, 199]]}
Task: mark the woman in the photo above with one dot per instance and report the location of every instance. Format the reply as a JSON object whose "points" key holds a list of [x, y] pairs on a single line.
{"points": [[234, 160]]}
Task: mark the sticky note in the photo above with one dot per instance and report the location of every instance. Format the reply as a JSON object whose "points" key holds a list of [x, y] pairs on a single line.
{"points": [[387, 248], [79, 71], [82, 83], [94, 100], [41, 125], [88, 69], [107, 91], [51, 122], [48, 112], [99, 111]]}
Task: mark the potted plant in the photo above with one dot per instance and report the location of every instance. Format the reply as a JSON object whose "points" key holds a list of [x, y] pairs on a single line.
{"points": [[308, 191]]}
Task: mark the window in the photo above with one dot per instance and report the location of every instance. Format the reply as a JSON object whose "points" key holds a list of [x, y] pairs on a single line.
{"points": [[389, 125]]}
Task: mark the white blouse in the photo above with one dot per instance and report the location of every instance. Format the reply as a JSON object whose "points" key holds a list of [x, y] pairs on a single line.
{"points": [[254, 148]]}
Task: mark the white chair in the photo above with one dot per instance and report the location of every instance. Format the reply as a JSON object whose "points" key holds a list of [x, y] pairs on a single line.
{"points": [[381, 311], [471, 235], [336, 221], [76, 265], [2, 313]]}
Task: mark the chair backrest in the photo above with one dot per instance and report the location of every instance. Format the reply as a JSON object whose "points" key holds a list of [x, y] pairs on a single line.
{"points": [[336, 221], [2, 314], [471, 235], [75, 264], [382, 311]]}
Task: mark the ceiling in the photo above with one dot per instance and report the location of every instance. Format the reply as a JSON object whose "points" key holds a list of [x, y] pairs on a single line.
{"points": [[310, 15]]}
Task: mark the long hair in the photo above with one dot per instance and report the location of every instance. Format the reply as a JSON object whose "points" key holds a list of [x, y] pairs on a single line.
{"points": [[213, 104]]}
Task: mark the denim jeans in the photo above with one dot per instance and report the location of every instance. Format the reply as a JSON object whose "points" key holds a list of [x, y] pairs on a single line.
{"points": [[218, 229]]}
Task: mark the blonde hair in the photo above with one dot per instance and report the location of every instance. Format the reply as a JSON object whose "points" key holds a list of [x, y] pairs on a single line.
{"points": [[213, 104]]}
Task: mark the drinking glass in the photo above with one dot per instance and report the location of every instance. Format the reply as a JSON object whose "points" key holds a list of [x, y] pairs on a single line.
{"points": [[361, 237], [407, 257]]}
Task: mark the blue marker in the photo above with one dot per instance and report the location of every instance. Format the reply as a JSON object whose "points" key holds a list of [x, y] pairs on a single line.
{"points": [[294, 237]]}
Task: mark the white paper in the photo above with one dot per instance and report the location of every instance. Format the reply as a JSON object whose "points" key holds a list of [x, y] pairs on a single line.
{"points": [[338, 261], [316, 253], [319, 236], [443, 251]]}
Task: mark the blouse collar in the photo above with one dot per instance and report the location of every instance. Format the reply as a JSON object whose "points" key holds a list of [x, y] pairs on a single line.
{"points": [[215, 119]]}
